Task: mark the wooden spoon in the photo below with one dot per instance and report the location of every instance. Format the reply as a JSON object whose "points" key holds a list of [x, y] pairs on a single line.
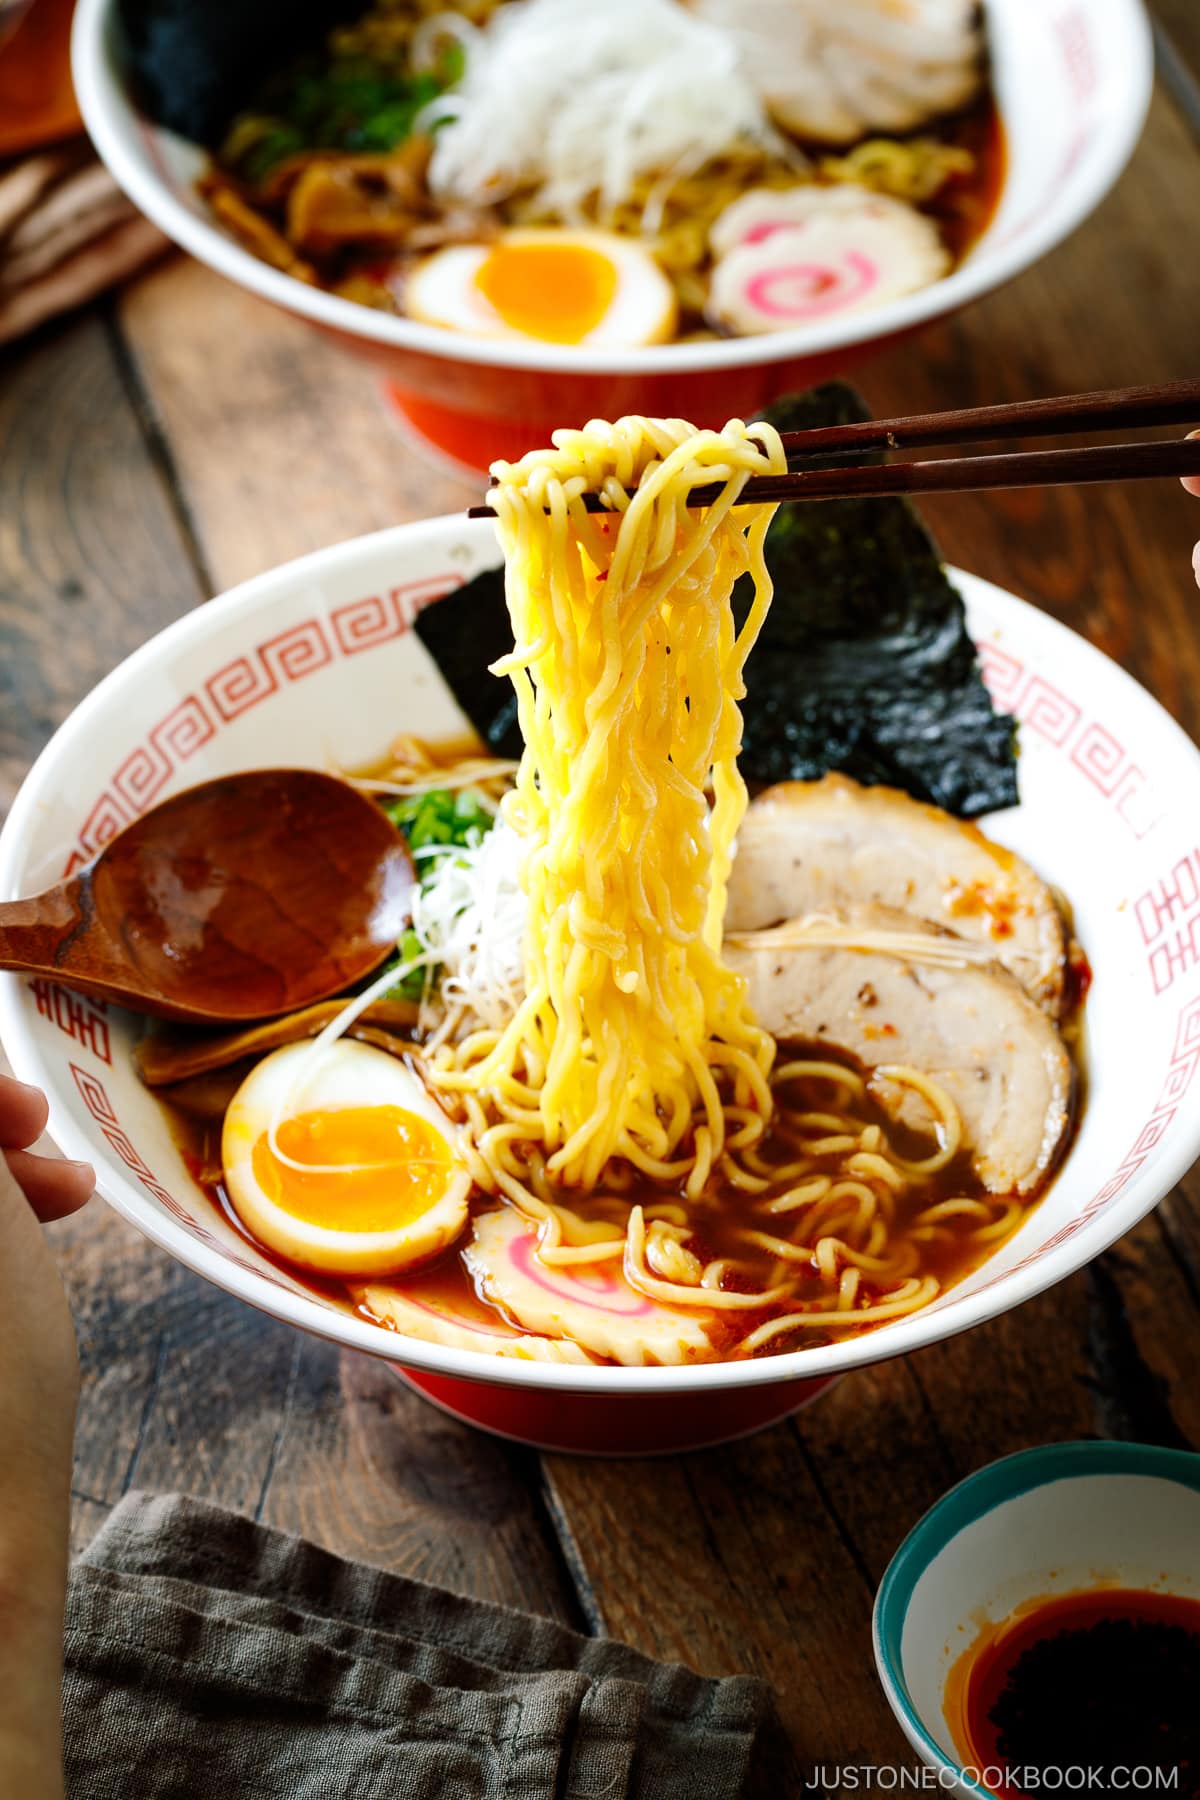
{"points": [[243, 898]]}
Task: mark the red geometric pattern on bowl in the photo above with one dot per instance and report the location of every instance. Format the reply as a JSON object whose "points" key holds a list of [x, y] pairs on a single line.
{"points": [[237, 686], [95, 1098], [1168, 918], [1092, 744], [1178, 1078], [77, 1016]]}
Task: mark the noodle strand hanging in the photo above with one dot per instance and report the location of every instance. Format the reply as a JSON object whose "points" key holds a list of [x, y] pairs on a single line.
{"points": [[632, 1037]]}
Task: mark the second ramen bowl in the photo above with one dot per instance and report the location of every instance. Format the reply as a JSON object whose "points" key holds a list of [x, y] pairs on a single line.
{"points": [[315, 663], [1073, 82]]}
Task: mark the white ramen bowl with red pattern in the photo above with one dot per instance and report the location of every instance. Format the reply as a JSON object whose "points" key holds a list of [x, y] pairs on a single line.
{"points": [[316, 664], [1073, 80]]}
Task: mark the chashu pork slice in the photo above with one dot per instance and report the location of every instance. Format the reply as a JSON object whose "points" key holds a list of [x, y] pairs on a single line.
{"points": [[821, 846], [838, 70], [895, 990]]}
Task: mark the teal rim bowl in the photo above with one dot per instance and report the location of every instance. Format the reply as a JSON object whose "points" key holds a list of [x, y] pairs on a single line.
{"points": [[1048, 1520]]}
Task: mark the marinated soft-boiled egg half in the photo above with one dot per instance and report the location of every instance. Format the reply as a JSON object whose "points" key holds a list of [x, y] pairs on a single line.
{"points": [[558, 287], [338, 1159]]}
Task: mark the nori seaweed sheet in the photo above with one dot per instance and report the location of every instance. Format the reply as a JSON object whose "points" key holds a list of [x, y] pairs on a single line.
{"points": [[465, 633], [195, 63], [864, 664]]}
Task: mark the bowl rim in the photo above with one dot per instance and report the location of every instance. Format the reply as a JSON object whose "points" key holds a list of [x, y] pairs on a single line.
{"points": [[101, 96], [972, 1498], [915, 1331]]}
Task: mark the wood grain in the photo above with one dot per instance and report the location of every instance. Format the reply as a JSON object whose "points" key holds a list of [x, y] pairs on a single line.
{"points": [[280, 441], [187, 1388], [794, 1528], [366, 1467], [182, 1385], [91, 560], [1179, 21]]}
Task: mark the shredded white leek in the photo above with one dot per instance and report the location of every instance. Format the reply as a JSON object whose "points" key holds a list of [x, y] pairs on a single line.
{"points": [[469, 918], [580, 102]]}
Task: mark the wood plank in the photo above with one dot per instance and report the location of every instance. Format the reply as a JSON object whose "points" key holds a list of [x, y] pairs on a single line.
{"points": [[182, 1385], [93, 562], [87, 1516], [793, 1529], [282, 441], [1146, 1325], [369, 1469], [187, 1388], [1179, 24], [91, 558], [730, 1561]]}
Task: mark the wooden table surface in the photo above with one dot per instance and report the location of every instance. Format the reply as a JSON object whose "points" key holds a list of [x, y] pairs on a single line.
{"points": [[161, 447]]}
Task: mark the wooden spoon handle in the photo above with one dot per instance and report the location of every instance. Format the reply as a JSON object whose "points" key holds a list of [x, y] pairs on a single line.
{"points": [[54, 934], [34, 932]]}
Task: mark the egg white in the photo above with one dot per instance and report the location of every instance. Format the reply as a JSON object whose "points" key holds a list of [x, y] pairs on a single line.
{"points": [[300, 1078], [443, 290]]}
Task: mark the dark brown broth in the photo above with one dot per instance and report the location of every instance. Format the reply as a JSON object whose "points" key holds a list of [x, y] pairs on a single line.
{"points": [[717, 1221], [967, 204]]}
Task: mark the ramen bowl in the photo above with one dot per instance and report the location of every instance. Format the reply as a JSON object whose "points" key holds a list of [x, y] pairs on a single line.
{"points": [[315, 664], [1073, 83], [1032, 1527]]}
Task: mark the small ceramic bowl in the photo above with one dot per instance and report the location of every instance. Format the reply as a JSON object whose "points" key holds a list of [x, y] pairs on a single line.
{"points": [[1073, 80], [1033, 1526]]}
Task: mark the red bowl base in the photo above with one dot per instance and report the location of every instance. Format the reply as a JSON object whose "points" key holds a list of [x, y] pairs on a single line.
{"points": [[610, 1425], [474, 417]]}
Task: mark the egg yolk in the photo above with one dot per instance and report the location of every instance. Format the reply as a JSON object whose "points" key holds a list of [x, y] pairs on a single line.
{"points": [[385, 1166], [557, 292]]}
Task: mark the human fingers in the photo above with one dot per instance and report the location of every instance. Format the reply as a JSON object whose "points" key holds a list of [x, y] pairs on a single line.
{"points": [[53, 1188], [1192, 482], [23, 1114]]}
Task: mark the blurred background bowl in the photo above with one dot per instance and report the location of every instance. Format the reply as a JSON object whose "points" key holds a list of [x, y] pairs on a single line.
{"points": [[314, 663], [1073, 84]]}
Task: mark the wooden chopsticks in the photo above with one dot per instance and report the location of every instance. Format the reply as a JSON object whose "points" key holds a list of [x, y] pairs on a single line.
{"points": [[1173, 403]]}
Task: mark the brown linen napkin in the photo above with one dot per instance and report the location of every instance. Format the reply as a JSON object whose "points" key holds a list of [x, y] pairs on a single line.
{"points": [[67, 233], [209, 1656]]}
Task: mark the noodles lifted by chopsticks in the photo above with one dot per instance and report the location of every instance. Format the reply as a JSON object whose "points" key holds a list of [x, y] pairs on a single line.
{"points": [[633, 1040]]}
